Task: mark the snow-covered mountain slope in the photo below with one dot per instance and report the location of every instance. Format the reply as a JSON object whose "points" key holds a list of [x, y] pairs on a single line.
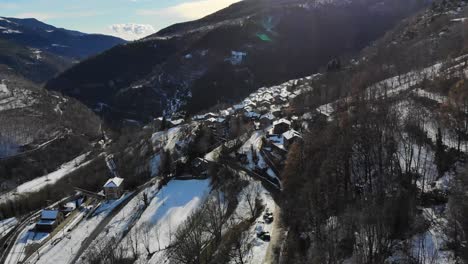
{"points": [[62, 42], [225, 56], [39, 130]]}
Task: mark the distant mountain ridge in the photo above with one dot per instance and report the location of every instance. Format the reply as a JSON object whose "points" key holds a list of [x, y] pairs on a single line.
{"points": [[68, 43]]}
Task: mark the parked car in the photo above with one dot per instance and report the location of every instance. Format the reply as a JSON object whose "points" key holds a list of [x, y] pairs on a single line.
{"points": [[268, 217], [265, 236]]}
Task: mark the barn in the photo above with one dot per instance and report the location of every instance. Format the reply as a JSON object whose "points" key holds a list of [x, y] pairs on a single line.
{"points": [[50, 219], [113, 188]]}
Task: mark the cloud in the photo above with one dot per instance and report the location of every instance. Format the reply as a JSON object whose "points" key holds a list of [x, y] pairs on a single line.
{"points": [[189, 10], [132, 31]]}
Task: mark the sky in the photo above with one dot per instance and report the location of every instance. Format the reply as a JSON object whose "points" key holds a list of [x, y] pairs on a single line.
{"points": [[128, 19]]}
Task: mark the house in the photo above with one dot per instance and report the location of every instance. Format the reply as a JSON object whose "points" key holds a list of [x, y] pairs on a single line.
{"points": [[252, 115], [291, 136], [266, 120], [276, 143], [113, 188], [226, 112], [238, 107], [218, 120], [205, 116], [49, 220], [281, 126]]}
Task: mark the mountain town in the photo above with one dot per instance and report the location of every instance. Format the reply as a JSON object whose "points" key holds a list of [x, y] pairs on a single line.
{"points": [[271, 131]]}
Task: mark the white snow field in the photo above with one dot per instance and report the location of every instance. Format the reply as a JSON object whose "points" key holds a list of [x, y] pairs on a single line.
{"points": [[170, 208]]}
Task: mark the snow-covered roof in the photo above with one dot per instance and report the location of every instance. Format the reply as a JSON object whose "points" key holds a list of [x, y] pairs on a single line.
{"points": [[70, 205], [238, 53], [275, 108], [216, 120], [46, 222], [291, 134], [49, 214], [200, 117], [252, 114], [225, 112], [113, 183], [281, 121], [248, 108], [238, 106], [177, 122]]}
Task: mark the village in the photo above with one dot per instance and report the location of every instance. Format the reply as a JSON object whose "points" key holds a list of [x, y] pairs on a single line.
{"points": [[271, 128]]}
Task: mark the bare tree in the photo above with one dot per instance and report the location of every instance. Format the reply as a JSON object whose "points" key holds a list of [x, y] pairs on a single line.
{"points": [[253, 198], [146, 231], [134, 241], [215, 215], [190, 241], [241, 245]]}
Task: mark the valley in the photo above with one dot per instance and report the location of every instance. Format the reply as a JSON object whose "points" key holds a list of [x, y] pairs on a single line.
{"points": [[271, 131]]}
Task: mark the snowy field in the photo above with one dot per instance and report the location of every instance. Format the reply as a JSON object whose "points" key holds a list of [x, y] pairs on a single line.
{"points": [[167, 210], [122, 222]]}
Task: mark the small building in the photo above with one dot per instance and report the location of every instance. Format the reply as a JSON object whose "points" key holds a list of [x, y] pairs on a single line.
{"points": [[226, 112], [291, 136], [218, 120], [113, 189], [50, 219], [252, 115], [281, 126], [205, 116], [266, 120]]}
